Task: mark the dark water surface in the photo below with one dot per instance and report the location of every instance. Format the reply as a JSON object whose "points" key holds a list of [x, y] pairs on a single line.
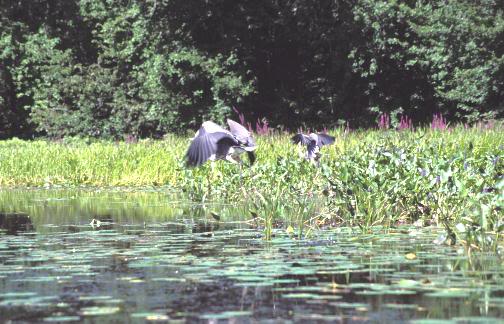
{"points": [[149, 256]]}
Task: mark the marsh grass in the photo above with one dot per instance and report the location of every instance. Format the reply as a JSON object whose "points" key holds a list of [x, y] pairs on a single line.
{"points": [[366, 178]]}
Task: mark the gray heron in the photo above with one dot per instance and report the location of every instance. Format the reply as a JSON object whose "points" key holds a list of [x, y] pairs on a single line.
{"points": [[213, 142], [313, 143]]}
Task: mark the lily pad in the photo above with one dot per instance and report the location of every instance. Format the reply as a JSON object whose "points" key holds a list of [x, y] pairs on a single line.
{"points": [[448, 293], [99, 310], [62, 318], [226, 315]]}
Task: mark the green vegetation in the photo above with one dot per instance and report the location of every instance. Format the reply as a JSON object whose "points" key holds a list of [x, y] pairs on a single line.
{"points": [[451, 178], [97, 98], [145, 68]]}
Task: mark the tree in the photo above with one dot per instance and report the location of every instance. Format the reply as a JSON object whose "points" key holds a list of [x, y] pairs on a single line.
{"points": [[421, 56]]}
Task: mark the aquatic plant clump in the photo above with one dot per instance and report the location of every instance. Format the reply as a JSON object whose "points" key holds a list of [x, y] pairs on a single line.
{"points": [[426, 176]]}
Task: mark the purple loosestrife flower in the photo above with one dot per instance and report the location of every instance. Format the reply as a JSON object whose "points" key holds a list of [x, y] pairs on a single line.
{"points": [[304, 131], [264, 128], [384, 122], [240, 116], [130, 139], [405, 123], [438, 122], [242, 119]]}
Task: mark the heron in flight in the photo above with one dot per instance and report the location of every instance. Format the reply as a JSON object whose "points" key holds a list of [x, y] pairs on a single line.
{"points": [[212, 142], [313, 144]]}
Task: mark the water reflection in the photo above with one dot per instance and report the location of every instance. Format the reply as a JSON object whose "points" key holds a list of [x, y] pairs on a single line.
{"points": [[80, 207], [13, 223], [102, 222], [149, 260], [205, 227]]}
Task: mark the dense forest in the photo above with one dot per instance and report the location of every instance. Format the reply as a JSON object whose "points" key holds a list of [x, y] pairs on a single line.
{"points": [[143, 68]]}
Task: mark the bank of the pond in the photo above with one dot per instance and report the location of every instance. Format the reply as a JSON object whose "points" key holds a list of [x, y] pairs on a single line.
{"points": [[451, 177]]}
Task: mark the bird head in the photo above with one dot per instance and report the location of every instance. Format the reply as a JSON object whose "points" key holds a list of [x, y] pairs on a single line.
{"points": [[250, 144]]}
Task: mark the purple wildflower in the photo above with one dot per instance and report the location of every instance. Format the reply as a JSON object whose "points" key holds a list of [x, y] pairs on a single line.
{"points": [[264, 128], [405, 123], [384, 121], [438, 122], [130, 139], [240, 116]]}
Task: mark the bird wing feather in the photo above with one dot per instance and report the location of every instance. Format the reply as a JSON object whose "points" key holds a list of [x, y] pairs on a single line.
{"points": [[211, 127], [205, 145], [300, 138], [324, 139], [240, 132]]}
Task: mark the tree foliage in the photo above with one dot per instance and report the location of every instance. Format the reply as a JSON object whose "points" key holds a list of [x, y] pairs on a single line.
{"points": [[434, 55], [106, 68]]}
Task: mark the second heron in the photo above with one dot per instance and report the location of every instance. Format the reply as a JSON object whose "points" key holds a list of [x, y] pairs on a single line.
{"points": [[313, 144]]}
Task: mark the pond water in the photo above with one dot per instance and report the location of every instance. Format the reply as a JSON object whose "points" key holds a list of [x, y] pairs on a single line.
{"points": [[102, 256]]}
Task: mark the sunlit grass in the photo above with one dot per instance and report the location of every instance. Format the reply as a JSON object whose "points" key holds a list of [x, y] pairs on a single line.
{"points": [[366, 178]]}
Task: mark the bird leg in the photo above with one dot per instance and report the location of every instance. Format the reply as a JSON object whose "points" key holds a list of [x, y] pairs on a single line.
{"points": [[241, 174]]}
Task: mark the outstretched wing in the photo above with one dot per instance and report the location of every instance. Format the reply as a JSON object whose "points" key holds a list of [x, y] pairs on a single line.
{"points": [[211, 127], [324, 139], [242, 135], [206, 144], [240, 132], [300, 138]]}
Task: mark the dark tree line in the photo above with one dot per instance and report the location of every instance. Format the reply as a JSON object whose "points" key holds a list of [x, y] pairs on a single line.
{"points": [[110, 68]]}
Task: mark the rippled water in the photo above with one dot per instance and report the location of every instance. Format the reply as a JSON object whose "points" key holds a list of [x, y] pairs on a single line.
{"points": [[152, 256]]}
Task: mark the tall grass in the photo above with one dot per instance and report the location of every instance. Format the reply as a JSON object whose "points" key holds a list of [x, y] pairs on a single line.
{"points": [[427, 176]]}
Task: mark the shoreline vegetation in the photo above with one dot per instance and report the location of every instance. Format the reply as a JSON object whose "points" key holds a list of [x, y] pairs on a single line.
{"points": [[451, 178]]}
